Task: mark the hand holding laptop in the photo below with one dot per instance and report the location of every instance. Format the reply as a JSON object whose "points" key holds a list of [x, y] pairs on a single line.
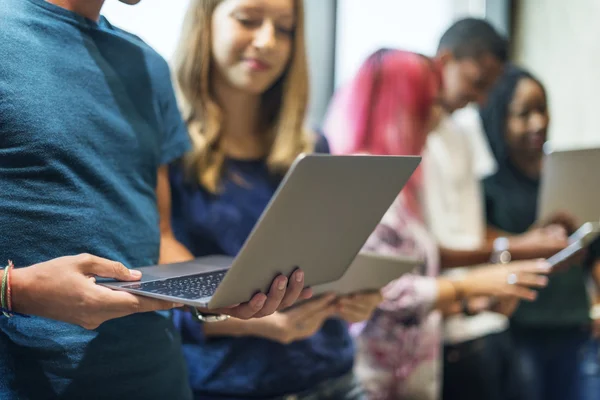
{"points": [[358, 307], [283, 293], [299, 323], [328, 231], [65, 289]]}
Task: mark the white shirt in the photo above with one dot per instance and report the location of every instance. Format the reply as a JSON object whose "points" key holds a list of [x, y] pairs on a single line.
{"points": [[454, 211], [469, 122]]}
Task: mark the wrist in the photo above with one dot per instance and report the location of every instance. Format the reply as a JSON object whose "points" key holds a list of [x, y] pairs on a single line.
{"points": [[269, 327], [501, 250], [232, 327], [19, 285], [201, 316], [459, 288]]}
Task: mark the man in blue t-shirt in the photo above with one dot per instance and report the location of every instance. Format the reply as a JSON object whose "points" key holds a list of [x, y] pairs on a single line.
{"points": [[88, 122]]}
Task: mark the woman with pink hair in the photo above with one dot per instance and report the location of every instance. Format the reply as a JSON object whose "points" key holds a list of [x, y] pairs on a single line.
{"points": [[388, 109]]}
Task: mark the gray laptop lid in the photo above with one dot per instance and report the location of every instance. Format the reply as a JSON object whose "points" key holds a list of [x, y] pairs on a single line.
{"points": [[320, 231], [570, 182]]}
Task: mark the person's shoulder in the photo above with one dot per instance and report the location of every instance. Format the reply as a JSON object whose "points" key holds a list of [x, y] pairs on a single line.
{"points": [[152, 56], [14, 16], [4, 9]]}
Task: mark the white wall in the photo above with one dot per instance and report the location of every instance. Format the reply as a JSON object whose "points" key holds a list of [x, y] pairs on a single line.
{"points": [[158, 22], [559, 41], [363, 26]]}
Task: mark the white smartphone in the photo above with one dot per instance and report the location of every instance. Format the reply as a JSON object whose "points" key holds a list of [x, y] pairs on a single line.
{"points": [[578, 241]]}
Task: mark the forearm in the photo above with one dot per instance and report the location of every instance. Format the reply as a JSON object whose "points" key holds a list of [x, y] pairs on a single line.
{"points": [[230, 327], [172, 251], [450, 258], [461, 258], [450, 309], [448, 295], [492, 233], [233, 327]]}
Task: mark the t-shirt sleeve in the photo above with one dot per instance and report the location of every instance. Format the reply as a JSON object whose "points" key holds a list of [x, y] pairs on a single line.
{"points": [[433, 196], [175, 135]]}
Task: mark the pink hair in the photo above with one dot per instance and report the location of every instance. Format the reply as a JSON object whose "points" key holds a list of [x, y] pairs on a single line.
{"points": [[385, 110]]}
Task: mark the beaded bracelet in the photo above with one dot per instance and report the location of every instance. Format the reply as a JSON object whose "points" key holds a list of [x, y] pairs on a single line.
{"points": [[6, 295], [3, 291]]}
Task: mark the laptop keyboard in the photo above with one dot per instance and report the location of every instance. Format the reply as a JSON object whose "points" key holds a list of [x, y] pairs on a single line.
{"points": [[189, 287]]}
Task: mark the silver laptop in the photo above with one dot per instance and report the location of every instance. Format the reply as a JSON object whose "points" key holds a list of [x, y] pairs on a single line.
{"points": [[318, 220], [370, 272], [570, 183]]}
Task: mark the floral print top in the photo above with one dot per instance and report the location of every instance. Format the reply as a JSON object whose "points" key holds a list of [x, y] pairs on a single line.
{"points": [[399, 348]]}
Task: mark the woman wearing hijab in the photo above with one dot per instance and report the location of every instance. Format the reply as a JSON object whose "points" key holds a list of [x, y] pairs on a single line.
{"points": [[551, 333]]}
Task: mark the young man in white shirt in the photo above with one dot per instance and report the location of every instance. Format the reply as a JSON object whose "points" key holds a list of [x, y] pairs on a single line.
{"points": [[478, 358]]}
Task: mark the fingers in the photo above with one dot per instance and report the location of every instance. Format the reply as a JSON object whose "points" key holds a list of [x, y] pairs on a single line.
{"points": [[348, 304], [318, 317], [557, 232], [93, 265], [274, 298], [246, 310], [359, 307], [539, 266], [480, 303], [531, 280], [359, 311], [295, 286], [119, 304], [522, 292], [305, 294], [506, 306], [147, 304], [565, 219], [352, 316], [362, 303], [311, 307]]}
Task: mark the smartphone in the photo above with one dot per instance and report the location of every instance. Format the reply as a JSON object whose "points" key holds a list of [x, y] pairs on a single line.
{"points": [[587, 233], [578, 241]]}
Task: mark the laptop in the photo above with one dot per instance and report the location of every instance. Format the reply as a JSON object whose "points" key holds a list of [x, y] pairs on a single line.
{"points": [[318, 219], [570, 183], [370, 272]]}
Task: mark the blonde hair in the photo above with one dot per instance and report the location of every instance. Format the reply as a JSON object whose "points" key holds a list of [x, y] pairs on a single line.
{"points": [[283, 105]]}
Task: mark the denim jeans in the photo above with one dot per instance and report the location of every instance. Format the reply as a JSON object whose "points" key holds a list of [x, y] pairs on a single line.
{"points": [[482, 369], [590, 370], [346, 387], [550, 363]]}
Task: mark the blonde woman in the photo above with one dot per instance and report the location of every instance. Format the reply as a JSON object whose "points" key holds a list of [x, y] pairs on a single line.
{"points": [[243, 84]]}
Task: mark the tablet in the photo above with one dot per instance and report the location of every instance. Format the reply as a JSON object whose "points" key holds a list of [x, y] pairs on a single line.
{"points": [[570, 182]]}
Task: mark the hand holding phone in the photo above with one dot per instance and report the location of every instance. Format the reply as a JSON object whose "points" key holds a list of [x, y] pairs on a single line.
{"points": [[576, 250]]}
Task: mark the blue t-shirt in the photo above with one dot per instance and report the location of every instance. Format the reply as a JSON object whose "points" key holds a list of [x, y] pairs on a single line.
{"points": [[87, 116], [249, 367]]}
